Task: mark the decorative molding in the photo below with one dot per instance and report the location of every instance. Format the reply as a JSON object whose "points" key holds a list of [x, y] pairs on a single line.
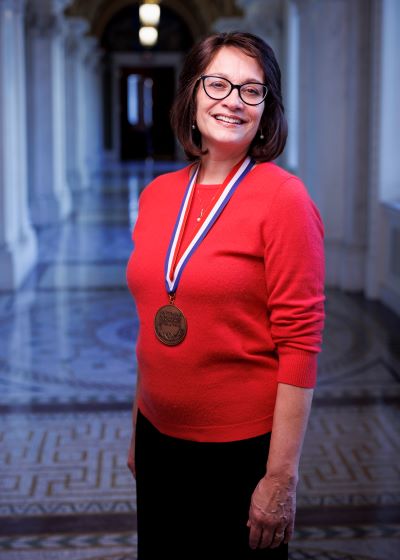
{"points": [[46, 18], [89, 48], [75, 30], [44, 25]]}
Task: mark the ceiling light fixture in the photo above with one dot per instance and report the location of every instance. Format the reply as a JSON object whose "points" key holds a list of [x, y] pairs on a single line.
{"points": [[149, 14], [148, 36]]}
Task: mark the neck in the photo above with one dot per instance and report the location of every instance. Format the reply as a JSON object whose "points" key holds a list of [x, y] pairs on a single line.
{"points": [[215, 168]]}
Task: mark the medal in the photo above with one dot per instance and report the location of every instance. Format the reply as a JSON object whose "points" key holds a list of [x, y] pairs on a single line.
{"points": [[170, 324]]}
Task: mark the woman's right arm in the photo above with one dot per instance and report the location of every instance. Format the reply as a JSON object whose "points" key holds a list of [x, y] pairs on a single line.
{"points": [[131, 451]]}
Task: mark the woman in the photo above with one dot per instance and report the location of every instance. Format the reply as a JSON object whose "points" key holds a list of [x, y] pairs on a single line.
{"points": [[227, 274]]}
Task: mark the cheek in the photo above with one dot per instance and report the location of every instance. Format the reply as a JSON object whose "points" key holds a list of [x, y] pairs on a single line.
{"points": [[256, 122], [203, 119], [199, 110], [257, 117], [203, 106]]}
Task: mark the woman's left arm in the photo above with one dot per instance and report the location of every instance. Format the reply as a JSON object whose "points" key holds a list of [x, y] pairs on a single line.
{"points": [[273, 504], [294, 273]]}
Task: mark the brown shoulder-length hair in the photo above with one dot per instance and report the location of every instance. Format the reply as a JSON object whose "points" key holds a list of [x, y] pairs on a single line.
{"points": [[273, 122]]}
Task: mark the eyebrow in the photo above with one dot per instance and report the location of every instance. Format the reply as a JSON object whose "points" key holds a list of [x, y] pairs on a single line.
{"points": [[223, 75]]}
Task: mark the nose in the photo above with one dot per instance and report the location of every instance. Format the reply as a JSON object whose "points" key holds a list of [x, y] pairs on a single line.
{"points": [[233, 100]]}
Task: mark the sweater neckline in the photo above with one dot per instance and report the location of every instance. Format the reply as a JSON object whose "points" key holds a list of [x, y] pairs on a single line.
{"points": [[207, 186]]}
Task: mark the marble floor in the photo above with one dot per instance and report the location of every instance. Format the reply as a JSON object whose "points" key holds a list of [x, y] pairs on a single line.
{"points": [[66, 386]]}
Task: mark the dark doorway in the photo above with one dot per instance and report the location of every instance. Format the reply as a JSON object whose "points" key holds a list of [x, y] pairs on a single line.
{"points": [[146, 99]]}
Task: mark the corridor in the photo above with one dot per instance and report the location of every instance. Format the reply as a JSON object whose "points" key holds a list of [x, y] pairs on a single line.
{"points": [[67, 375]]}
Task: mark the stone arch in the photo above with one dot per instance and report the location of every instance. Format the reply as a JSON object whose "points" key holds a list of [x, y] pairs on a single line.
{"points": [[198, 15]]}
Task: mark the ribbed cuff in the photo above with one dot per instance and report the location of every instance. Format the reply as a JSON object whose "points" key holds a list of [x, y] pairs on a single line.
{"points": [[298, 368]]}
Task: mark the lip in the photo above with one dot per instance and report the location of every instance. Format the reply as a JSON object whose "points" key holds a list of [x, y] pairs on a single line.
{"points": [[227, 116]]}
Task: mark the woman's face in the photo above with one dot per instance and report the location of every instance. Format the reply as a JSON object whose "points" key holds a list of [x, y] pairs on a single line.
{"points": [[229, 124]]}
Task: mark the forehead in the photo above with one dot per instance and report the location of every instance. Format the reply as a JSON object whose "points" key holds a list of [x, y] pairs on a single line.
{"points": [[234, 64]]}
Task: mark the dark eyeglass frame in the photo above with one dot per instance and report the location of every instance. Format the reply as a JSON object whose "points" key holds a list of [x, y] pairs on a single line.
{"points": [[233, 86]]}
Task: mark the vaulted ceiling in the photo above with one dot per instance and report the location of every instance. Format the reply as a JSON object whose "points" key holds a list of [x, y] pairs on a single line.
{"points": [[198, 15]]}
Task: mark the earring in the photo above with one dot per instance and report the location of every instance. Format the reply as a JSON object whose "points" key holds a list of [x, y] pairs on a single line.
{"points": [[261, 135], [193, 126]]}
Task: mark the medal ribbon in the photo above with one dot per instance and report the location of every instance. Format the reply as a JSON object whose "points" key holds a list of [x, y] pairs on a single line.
{"points": [[173, 269]]}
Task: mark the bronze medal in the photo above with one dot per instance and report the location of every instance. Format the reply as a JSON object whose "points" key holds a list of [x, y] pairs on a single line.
{"points": [[170, 325]]}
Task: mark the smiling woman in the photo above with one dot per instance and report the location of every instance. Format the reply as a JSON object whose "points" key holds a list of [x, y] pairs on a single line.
{"points": [[227, 274], [250, 60]]}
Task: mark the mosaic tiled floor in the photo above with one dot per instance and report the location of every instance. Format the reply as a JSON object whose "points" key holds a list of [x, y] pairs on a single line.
{"points": [[66, 387]]}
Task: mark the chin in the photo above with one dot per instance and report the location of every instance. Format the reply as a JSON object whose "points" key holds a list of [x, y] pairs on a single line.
{"points": [[230, 140]]}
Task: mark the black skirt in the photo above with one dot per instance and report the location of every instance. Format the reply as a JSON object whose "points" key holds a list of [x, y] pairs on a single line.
{"points": [[193, 498]]}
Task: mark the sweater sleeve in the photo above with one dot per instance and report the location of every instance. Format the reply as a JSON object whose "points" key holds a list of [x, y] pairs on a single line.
{"points": [[294, 269]]}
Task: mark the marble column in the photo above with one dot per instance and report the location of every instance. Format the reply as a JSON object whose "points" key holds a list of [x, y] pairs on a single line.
{"points": [[261, 17], [290, 83], [50, 197], [18, 246], [76, 29], [383, 258], [86, 135], [333, 135], [92, 66]]}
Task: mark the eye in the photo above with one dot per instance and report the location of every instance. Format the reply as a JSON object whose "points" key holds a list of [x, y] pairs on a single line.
{"points": [[252, 90], [217, 84]]}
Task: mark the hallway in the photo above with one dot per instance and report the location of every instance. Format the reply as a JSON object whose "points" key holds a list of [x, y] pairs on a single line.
{"points": [[67, 375]]}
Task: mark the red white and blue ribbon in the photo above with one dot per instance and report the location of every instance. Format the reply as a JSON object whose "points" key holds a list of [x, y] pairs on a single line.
{"points": [[173, 272]]}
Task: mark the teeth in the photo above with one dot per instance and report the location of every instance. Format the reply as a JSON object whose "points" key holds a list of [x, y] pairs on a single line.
{"points": [[228, 119]]}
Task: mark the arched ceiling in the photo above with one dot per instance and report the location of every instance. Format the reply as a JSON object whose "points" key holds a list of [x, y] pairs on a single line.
{"points": [[121, 32], [199, 15]]}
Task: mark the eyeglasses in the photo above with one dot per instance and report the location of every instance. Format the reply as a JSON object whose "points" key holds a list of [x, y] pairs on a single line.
{"points": [[251, 93]]}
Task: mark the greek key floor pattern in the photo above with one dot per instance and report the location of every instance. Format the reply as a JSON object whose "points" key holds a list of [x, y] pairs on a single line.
{"points": [[67, 374]]}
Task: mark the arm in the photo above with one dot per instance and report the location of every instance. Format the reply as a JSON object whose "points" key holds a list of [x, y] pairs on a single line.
{"points": [[273, 504], [294, 272], [131, 451]]}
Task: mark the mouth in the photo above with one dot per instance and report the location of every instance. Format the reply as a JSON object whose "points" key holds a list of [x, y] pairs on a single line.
{"points": [[229, 119]]}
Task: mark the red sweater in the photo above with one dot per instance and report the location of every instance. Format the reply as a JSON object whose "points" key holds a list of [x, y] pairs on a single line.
{"points": [[252, 294]]}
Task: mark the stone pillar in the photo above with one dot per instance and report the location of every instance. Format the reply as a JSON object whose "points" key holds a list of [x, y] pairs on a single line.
{"points": [[18, 247], [88, 101], [290, 84], [82, 130], [261, 17], [334, 90], [76, 28], [92, 66], [49, 193], [383, 258], [98, 115]]}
